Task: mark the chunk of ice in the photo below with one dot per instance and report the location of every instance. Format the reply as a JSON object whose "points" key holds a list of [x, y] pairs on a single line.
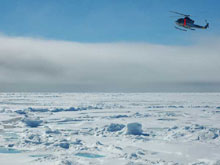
{"points": [[37, 110], [32, 122], [115, 127], [65, 145], [134, 129]]}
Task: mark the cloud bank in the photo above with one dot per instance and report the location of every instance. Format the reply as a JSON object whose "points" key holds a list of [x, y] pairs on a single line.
{"points": [[28, 64]]}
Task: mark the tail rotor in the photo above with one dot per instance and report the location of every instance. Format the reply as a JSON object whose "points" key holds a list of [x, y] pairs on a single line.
{"points": [[207, 24]]}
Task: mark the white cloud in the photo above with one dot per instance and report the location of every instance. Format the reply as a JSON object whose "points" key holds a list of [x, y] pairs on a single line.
{"points": [[106, 66]]}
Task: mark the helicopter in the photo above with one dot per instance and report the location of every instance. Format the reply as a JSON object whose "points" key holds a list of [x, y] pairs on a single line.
{"points": [[187, 23]]}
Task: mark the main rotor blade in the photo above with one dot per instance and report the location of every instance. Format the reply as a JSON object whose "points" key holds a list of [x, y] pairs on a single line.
{"points": [[174, 16], [180, 13]]}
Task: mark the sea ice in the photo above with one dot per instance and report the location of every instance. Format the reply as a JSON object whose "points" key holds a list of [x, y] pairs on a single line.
{"points": [[183, 128], [89, 155], [64, 144], [115, 127], [134, 129], [32, 122], [9, 150], [37, 109], [50, 131]]}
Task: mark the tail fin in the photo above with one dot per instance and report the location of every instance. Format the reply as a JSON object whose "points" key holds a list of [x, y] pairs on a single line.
{"points": [[207, 25]]}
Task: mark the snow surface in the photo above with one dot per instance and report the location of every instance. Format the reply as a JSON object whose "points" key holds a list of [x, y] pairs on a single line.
{"points": [[110, 128]]}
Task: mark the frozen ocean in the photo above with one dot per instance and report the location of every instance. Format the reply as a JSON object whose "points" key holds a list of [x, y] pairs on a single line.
{"points": [[110, 128]]}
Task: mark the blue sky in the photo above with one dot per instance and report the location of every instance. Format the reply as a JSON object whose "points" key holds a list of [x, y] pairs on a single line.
{"points": [[107, 20], [108, 45]]}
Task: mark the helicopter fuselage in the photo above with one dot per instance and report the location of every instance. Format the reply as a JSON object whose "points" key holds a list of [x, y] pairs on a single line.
{"points": [[189, 23]]}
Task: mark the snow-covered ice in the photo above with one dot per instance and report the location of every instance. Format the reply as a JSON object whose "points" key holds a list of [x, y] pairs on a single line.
{"points": [[134, 129], [110, 128]]}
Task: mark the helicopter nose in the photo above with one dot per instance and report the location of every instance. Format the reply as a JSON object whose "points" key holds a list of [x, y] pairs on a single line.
{"points": [[177, 22]]}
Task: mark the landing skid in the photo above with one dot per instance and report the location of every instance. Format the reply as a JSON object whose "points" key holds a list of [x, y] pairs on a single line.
{"points": [[184, 29], [181, 29]]}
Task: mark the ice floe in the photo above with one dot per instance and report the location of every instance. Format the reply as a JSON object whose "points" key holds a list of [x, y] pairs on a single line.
{"points": [[101, 128], [32, 122], [115, 127], [134, 129]]}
